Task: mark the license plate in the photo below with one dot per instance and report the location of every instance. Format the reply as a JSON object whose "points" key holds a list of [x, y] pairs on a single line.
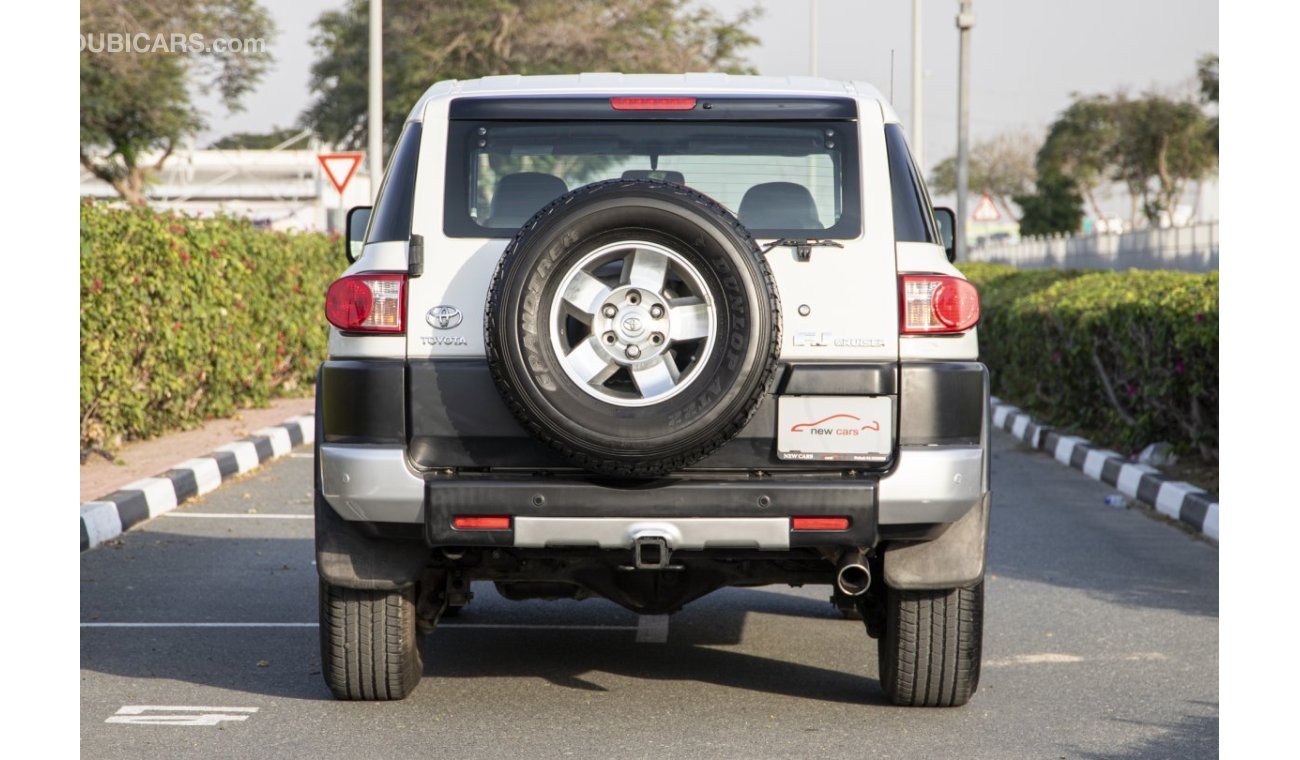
{"points": [[834, 428]]}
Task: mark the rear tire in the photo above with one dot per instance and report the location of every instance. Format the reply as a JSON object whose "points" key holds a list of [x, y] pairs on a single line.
{"points": [[930, 653], [370, 649]]}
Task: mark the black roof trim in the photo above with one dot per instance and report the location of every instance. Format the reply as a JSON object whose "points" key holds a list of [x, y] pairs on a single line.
{"points": [[597, 108]]}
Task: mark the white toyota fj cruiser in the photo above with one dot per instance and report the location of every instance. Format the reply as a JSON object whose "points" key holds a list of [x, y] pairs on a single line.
{"points": [[644, 337]]}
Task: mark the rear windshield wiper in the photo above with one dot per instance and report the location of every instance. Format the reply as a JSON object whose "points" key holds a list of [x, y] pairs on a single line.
{"points": [[802, 247]]}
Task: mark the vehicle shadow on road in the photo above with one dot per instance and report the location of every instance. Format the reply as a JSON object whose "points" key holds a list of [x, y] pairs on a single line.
{"points": [[1193, 736]]}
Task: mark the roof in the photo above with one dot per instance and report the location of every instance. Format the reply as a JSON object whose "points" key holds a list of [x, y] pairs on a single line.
{"points": [[651, 84]]}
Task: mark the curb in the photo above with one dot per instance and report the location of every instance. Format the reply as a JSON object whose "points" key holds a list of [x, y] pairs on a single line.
{"points": [[1184, 502], [108, 517]]}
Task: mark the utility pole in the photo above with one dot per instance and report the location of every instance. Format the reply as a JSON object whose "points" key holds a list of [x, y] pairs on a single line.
{"points": [[965, 20], [812, 39], [916, 85], [375, 119]]}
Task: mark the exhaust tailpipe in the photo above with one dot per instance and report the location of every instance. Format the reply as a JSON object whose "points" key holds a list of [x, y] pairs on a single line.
{"points": [[852, 578]]}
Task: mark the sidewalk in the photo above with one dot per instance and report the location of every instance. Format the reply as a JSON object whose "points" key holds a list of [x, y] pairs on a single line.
{"points": [[145, 459]]}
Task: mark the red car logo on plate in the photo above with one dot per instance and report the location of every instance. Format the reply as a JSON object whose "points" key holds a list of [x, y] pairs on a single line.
{"points": [[802, 426]]}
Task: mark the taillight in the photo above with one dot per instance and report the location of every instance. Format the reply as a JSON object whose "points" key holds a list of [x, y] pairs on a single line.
{"points": [[936, 303], [652, 104], [484, 522], [368, 303]]}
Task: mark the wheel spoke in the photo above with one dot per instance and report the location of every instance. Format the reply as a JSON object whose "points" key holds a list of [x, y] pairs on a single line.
{"points": [[588, 363], [585, 293], [647, 269], [655, 378], [690, 321]]}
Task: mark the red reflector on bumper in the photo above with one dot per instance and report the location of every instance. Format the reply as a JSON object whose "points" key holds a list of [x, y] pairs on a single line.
{"points": [[481, 523], [819, 523]]}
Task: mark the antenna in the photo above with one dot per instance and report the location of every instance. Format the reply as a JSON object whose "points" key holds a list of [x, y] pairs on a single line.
{"points": [[891, 75]]}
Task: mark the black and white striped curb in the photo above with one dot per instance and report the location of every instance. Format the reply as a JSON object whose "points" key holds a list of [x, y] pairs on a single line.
{"points": [[1181, 501], [106, 518]]}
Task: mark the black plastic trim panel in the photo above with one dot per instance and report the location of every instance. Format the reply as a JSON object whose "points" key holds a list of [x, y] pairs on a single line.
{"points": [[840, 380], [363, 401], [533, 497], [942, 403]]}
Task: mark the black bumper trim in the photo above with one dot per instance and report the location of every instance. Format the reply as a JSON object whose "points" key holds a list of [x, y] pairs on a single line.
{"points": [[363, 401], [942, 404], [445, 499]]}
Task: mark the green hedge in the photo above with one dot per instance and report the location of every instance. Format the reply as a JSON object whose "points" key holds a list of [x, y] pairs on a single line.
{"points": [[1128, 358], [185, 319]]}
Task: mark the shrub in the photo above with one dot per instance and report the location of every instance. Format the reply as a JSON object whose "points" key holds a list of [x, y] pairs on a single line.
{"points": [[1126, 357], [186, 319]]}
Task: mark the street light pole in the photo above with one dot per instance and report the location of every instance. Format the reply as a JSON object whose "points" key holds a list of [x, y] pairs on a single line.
{"points": [[916, 85], [965, 20], [375, 117]]}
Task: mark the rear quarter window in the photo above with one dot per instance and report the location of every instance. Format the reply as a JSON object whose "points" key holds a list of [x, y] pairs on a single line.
{"points": [[913, 217]]}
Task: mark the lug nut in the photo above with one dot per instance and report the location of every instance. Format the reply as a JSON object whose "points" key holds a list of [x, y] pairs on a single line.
{"points": [[633, 352], [610, 310], [657, 311]]}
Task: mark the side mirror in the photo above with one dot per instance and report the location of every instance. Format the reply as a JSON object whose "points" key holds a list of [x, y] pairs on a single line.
{"points": [[358, 218], [947, 230]]}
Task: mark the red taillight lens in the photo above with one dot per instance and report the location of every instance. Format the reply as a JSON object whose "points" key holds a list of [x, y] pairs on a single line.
{"points": [[819, 523], [492, 522], [936, 303], [652, 104], [367, 303]]}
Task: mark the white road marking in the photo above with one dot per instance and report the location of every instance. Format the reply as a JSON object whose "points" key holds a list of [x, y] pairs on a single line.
{"points": [[1056, 658], [652, 629], [301, 455], [178, 715], [240, 515]]}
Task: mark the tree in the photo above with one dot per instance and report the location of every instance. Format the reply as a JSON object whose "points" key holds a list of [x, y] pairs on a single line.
{"points": [[1080, 144], [1165, 141], [466, 39], [1055, 207], [1002, 166], [139, 61]]}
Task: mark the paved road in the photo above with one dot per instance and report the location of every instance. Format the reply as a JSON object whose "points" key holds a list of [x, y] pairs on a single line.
{"points": [[1101, 642]]}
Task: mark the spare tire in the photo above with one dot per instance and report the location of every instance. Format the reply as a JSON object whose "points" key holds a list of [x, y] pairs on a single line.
{"points": [[633, 325]]}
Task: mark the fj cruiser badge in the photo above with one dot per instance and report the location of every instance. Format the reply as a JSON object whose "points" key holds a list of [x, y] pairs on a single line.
{"points": [[443, 317]]}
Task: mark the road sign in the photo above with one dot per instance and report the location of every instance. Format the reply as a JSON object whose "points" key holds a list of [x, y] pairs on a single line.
{"points": [[985, 211], [340, 167]]}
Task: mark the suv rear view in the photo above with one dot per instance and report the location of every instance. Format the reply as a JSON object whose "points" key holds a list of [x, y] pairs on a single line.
{"points": [[644, 337]]}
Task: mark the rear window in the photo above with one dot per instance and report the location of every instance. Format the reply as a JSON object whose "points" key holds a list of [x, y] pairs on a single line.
{"points": [[792, 179]]}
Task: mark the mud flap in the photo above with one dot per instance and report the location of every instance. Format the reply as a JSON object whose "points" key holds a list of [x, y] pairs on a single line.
{"points": [[347, 556], [955, 558]]}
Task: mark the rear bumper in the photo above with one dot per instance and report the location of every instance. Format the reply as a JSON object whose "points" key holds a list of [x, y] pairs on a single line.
{"points": [[377, 484]]}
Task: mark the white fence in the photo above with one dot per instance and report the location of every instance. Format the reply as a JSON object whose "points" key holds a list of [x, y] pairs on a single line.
{"points": [[1194, 248]]}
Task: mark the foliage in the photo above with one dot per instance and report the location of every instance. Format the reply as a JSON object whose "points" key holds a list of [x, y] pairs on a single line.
{"points": [[257, 140], [1079, 145], [1055, 207], [137, 103], [1127, 357], [1002, 166], [186, 319], [1163, 140], [466, 39]]}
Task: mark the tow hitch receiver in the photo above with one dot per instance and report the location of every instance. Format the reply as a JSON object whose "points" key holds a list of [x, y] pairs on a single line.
{"points": [[651, 553]]}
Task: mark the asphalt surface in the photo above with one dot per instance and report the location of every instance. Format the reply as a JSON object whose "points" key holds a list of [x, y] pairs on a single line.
{"points": [[1101, 641]]}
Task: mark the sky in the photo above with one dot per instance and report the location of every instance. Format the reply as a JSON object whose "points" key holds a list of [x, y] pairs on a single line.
{"points": [[1027, 56]]}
